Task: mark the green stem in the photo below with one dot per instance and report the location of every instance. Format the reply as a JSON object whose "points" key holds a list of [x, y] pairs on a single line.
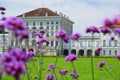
{"points": [[110, 73], [27, 72], [92, 68], [55, 75]]}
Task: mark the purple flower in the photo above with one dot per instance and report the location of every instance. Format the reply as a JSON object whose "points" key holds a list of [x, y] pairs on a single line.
{"points": [[117, 30], [117, 56], [61, 34], [63, 72], [42, 40], [40, 33], [51, 67], [2, 8], [71, 57], [108, 22], [66, 39], [101, 64], [75, 36], [1, 27], [50, 77], [105, 30], [92, 30], [24, 34], [112, 38], [99, 49], [74, 74], [13, 62], [30, 54]]}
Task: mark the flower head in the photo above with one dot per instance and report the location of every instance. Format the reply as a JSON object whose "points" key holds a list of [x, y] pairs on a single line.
{"points": [[40, 33], [112, 38], [75, 36], [74, 74], [101, 64], [108, 22], [117, 30], [63, 72], [61, 34], [99, 49], [71, 57], [50, 77], [92, 30], [51, 67], [105, 30], [117, 56]]}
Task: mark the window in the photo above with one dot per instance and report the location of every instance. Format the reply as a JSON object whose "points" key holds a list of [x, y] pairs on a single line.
{"points": [[26, 42], [89, 43], [56, 43], [104, 52], [104, 42], [56, 27], [47, 23], [81, 43], [47, 28], [52, 22], [16, 43], [33, 42], [52, 27], [115, 52], [109, 52], [41, 27], [41, 23], [115, 43], [52, 43], [52, 34], [33, 34], [109, 43], [33, 27], [27, 24], [34, 24], [56, 22]]}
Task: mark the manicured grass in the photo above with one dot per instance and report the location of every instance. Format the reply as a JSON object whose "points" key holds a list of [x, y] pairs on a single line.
{"points": [[82, 65]]}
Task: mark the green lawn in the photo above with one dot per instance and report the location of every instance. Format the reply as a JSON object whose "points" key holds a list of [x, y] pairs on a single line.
{"points": [[82, 65]]}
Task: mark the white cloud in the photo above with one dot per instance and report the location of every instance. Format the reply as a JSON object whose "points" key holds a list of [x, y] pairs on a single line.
{"points": [[83, 13]]}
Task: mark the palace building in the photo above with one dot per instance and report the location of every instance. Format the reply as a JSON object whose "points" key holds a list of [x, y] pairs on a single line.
{"points": [[51, 22]]}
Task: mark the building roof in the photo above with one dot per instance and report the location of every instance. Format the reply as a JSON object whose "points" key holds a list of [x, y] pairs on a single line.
{"points": [[39, 12]]}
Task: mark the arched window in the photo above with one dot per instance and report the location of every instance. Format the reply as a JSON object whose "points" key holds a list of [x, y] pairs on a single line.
{"points": [[33, 27], [104, 52]]}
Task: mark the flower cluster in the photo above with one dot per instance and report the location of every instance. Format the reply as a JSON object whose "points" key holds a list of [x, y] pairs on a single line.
{"points": [[105, 30], [117, 30], [51, 67], [71, 57], [40, 33], [62, 34], [101, 64], [112, 38], [74, 74], [13, 62], [92, 29], [50, 77], [63, 72], [99, 49], [17, 26], [117, 56], [75, 36], [41, 39]]}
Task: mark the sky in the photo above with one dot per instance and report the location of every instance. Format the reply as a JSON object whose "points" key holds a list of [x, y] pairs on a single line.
{"points": [[83, 13]]}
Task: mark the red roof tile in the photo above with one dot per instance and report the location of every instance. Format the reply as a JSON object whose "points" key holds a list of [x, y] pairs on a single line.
{"points": [[39, 12]]}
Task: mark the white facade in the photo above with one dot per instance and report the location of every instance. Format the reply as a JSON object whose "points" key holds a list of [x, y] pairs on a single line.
{"points": [[4, 42]]}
